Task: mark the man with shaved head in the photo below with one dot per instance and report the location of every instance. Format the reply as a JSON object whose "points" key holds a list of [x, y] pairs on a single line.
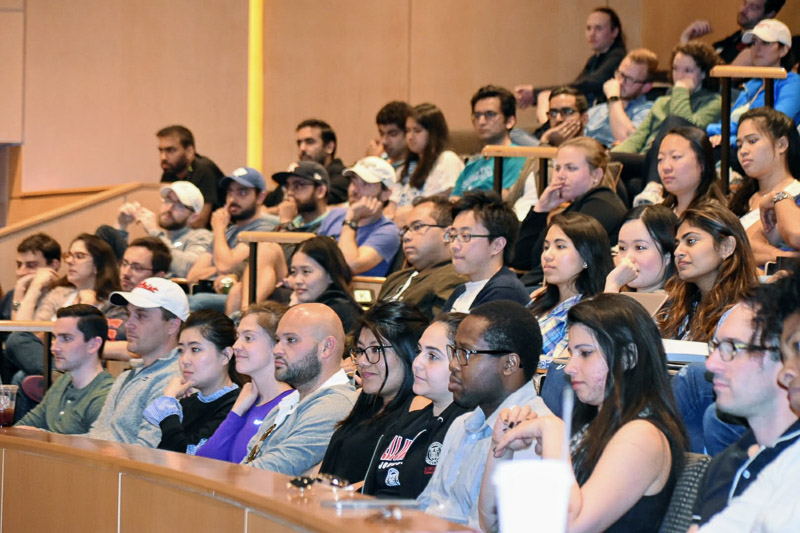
{"points": [[308, 355]]}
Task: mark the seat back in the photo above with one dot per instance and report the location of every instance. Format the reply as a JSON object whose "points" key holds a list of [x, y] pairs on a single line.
{"points": [[366, 289], [678, 517]]}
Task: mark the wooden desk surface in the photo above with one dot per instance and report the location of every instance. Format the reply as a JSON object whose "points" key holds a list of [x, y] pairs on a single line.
{"points": [[103, 484]]}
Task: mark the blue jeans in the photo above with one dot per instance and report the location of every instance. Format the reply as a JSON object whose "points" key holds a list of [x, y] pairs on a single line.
{"points": [[553, 388]]}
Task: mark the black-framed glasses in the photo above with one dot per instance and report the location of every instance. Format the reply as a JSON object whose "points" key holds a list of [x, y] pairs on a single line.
{"points": [[77, 256], [488, 115], [729, 349], [136, 267], [452, 235], [372, 353], [564, 112], [416, 227], [627, 79], [462, 355]]}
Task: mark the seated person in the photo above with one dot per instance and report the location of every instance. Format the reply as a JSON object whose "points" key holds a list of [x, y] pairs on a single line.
{"points": [[626, 104], [246, 190], [494, 114], [368, 240], [74, 401], [305, 204], [582, 179], [409, 449], [391, 142], [435, 170], [604, 35], [187, 419], [431, 278], [567, 117], [181, 204], [157, 308], [316, 141], [482, 244], [644, 261], [769, 151], [628, 446], [492, 363], [254, 358], [386, 342], [293, 438], [770, 44]]}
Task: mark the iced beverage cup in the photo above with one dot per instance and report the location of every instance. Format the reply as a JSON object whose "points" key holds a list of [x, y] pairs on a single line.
{"points": [[8, 398], [532, 494]]}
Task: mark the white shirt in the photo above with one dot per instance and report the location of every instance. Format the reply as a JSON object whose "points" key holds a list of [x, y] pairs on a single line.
{"points": [[464, 302]]}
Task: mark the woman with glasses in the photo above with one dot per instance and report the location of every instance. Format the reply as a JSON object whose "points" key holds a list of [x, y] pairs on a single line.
{"points": [[576, 260], [627, 440], [429, 168], [715, 269], [187, 419], [386, 337], [406, 454], [253, 353], [320, 274], [582, 182]]}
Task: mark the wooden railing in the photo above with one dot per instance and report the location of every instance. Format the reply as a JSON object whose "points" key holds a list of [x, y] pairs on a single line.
{"points": [[498, 152], [254, 237]]}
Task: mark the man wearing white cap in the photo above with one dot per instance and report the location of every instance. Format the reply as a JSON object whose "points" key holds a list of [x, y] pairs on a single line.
{"points": [[157, 307], [368, 240], [182, 203]]}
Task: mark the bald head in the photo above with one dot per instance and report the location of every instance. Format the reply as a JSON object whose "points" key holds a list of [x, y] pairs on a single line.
{"points": [[310, 346]]}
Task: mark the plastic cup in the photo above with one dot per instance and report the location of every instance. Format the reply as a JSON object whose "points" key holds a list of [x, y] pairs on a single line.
{"points": [[8, 398], [532, 494]]}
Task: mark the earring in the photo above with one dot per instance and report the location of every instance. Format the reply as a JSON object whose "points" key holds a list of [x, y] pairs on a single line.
{"points": [[585, 265]]}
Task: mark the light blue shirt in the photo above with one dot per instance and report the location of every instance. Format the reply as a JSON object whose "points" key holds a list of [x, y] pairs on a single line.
{"points": [[598, 126], [452, 492], [479, 174]]}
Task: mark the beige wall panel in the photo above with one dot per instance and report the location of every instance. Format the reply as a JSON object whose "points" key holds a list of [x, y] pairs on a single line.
{"points": [[87, 495], [102, 77], [337, 60], [11, 77], [12, 5], [153, 507]]}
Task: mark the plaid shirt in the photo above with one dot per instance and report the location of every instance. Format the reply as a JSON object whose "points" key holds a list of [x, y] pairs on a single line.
{"points": [[554, 331]]}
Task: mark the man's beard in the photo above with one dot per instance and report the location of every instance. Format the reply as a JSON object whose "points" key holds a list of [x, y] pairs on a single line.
{"points": [[309, 206], [303, 371], [244, 214]]}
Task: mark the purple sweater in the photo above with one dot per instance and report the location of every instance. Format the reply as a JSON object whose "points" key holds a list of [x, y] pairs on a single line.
{"points": [[229, 441]]}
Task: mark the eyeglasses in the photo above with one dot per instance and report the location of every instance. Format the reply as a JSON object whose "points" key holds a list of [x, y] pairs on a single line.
{"points": [[176, 204], [372, 353], [624, 78], [298, 185], [77, 256], [488, 115], [462, 355], [564, 112], [452, 235], [729, 349], [416, 227], [136, 267]]}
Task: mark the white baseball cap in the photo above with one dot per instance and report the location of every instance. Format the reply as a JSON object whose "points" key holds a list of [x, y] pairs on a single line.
{"points": [[373, 169], [188, 194], [155, 292], [770, 31]]}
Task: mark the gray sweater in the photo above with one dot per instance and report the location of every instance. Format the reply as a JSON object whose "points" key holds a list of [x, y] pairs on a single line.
{"points": [[299, 441], [121, 419]]}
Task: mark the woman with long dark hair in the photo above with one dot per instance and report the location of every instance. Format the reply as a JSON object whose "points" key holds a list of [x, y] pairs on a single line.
{"points": [[386, 344], [628, 440]]}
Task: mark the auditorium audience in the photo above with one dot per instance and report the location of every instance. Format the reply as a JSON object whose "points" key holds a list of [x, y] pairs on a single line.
{"points": [[386, 342], [409, 448], [305, 204], [74, 401], [368, 240], [320, 274], [644, 261], [316, 141], [157, 308], [494, 114], [35, 252], [436, 169], [431, 278], [567, 117], [605, 37], [253, 350], [481, 242], [582, 179], [492, 362], [196, 402], [293, 438], [626, 104], [391, 141], [181, 162], [628, 440]]}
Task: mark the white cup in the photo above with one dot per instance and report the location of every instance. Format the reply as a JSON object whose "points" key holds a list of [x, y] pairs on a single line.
{"points": [[532, 494]]}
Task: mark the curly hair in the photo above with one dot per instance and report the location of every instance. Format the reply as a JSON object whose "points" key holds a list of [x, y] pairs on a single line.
{"points": [[704, 56], [774, 303], [691, 315]]}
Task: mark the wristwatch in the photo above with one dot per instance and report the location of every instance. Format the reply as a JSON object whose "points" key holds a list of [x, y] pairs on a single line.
{"points": [[352, 223], [613, 99], [783, 195]]}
